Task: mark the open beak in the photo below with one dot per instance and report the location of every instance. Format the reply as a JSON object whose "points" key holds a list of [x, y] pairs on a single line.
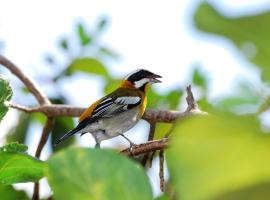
{"points": [[154, 78]]}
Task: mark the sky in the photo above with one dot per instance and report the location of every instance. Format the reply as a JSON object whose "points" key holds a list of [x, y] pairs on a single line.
{"points": [[154, 34]]}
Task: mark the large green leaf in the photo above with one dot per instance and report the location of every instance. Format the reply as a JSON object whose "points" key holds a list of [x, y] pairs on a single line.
{"points": [[250, 34], [18, 167], [88, 65], [7, 192], [96, 174], [212, 156], [5, 95]]}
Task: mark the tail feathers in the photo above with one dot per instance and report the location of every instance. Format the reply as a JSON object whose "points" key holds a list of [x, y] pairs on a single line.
{"points": [[67, 135]]}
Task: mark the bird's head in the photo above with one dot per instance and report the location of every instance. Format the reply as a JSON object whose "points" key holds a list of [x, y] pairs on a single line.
{"points": [[140, 79]]}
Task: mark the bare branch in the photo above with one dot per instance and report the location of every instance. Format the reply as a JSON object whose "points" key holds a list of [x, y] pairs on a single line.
{"points": [[150, 137], [36, 191], [192, 104], [166, 116], [45, 134], [147, 147], [161, 170], [28, 82]]}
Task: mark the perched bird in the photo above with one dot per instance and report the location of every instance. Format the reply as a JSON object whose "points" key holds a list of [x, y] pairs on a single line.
{"points": [[117, 112]]}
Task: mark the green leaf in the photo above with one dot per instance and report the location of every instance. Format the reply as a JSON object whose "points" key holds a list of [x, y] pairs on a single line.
{"points": [[5, 95], [257, 192], [102, 24], [198, 78], [18, 133], [88, 65], [215, 155], [85, 38], [96, 174], [162, 197], [17, 167], [13, 147], [63, 44], [61, 126], [265, 105], [250, 34], [7, 192]]}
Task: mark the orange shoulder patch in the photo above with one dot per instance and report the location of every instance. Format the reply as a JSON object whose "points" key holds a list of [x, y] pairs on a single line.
{"points": [[88, 112], [127, 84]]}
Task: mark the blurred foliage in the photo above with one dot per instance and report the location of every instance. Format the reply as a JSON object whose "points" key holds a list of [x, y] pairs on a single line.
{"points": [[213, 155], [5, 95], [18, 167], [19, 131], [7, 192], [96, 174], [221, 156], [13, 147], [245, 100], [250, 34]]}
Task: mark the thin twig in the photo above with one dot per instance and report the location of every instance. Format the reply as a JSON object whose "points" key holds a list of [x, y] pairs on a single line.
{"points": [[45, 134], [36, 191], [28, 82], [150, 137], [161, 170], [146, 147], [44, 137]]}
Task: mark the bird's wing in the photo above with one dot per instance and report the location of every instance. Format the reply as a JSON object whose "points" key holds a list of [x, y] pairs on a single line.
{"points": [[112, 105]]}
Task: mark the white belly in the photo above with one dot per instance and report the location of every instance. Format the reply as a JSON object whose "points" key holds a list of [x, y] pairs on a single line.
{"points": [[107, 128]]}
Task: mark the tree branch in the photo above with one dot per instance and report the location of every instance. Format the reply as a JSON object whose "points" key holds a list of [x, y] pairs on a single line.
{"points": [[28, 82], [166, 116], [44, 136], [146, 147]]}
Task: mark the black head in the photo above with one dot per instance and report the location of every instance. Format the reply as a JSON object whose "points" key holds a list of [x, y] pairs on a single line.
{"points": [[141, 77]]}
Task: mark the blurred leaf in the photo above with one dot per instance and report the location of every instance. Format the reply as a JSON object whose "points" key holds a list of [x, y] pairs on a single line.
{"points": [[198, 78], [63, 44], [50, 59], [102, 24], [111, 85], [13, 147], [257, 192], [108, 52], [96, 174], [88, 65], [7, 192], [245, 96], [18, 133], [265, 105], [5, 95], [61, 126], [250, 34], [174, 97], [38, 117], [161, 130], [85, 38], [162, 197], [17, 167], [214, 155]]}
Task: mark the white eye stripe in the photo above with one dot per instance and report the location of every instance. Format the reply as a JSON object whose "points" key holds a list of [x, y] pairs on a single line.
{"points": [[141, 82]]}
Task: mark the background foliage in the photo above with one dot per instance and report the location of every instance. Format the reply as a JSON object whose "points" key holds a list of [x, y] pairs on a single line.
{"points": [[221, 156]]}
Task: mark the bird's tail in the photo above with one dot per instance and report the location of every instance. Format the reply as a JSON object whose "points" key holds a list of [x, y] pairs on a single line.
{"points": [[67, 135]]}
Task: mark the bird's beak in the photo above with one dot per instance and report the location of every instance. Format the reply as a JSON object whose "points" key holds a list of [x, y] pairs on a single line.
{"points": [[154, 78]]}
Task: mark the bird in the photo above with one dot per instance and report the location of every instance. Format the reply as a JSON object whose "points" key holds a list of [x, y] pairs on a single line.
{"points": [[117, 112]]}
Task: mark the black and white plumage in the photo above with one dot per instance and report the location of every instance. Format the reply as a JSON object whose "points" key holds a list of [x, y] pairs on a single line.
{"points": [[117, 112]]}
